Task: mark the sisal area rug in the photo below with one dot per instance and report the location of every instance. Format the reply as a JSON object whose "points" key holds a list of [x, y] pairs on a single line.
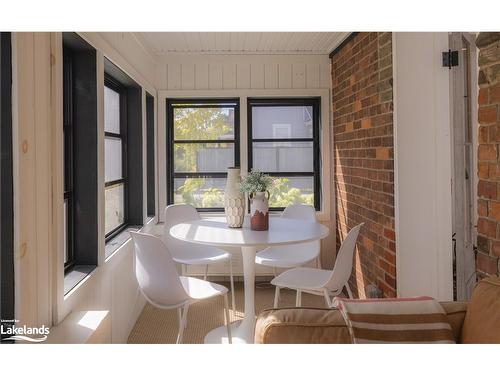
{"points": [[156, 326]]}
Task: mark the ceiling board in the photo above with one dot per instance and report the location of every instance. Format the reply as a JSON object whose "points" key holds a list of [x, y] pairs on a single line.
{"points": [[164, 43]]}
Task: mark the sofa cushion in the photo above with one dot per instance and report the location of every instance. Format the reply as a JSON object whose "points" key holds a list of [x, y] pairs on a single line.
{"points": [[301, 326], [455, 313], [482, 321], [396, 320]]}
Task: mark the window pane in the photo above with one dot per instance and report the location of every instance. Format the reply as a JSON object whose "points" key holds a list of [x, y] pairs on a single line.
{"points": [[114, 208], [283, 156], [200, 192], [282, 122], [112, 159], [203, 123], [203, 157], [288, 190], [111, 110], [65, 232]]}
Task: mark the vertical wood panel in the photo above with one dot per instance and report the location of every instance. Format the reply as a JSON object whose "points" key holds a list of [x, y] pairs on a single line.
{"points": [[243, 76], [325, 76], [201, 76], [229, 76], [174, 76], [161, 76], [285, 76], [271, 76], [215, 76], [187, 77], [24, 177], [257, 76], [312, 76], [43, 172], [298, 76]]}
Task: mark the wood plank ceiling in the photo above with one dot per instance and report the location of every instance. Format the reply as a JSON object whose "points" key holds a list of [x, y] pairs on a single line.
{"points": [[163, 43]]}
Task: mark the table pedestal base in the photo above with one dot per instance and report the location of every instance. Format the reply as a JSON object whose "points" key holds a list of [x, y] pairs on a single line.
{"points": [[240, 334]]}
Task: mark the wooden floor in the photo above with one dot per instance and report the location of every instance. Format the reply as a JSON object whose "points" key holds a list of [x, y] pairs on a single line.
{"points": [[156, 326]]}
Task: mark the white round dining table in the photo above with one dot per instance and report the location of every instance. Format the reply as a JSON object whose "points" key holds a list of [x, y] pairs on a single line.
{"points": [[215, 232]]}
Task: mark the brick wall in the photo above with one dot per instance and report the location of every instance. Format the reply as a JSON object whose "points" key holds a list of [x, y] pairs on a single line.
{"points": [[363, 156], [488, 225]]}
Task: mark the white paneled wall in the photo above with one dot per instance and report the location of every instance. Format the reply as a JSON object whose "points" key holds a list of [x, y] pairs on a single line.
{"points": [[229, 72], [232, 75]]}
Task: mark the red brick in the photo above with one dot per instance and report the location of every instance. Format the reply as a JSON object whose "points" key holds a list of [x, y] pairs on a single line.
{"points": [[487, 227], [495, 249], [382, 153], [493, 171], [483, 96], [483, 171], [363, 161], [495, 94], [366, 123], [494, 212], [487, 189], [488, 204], [487, 264], [482, 207], [487, 152], [483, 134], [487, 115]]}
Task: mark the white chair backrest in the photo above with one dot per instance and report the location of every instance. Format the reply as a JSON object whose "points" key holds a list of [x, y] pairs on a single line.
{"points": [[343, 264], [300, 212], [156, 272], [306, 213], [176, 214]]}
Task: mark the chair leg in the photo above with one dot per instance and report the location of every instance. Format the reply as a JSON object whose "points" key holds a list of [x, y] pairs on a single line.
{"points": [[228, 322], [318, 263], [206, 272], [185, 316], [182, 315], [231, 279], [298, 299], [276, 297], [349, 292]]}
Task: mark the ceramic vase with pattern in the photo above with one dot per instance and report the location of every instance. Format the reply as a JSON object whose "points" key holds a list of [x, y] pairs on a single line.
{"points": [[234, 199], [259, 211]]}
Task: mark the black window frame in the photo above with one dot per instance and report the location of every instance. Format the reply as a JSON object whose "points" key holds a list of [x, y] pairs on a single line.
{"points": [[116, 86], [315, 103], [150, 157], [68, 140], [199, 103], [7, 280]]}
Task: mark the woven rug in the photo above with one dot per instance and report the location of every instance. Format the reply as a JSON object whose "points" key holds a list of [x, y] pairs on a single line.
{"points": [[156, 326]]}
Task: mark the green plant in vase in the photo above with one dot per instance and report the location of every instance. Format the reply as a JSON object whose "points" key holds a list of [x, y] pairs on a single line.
{"points": [[257, 185]]}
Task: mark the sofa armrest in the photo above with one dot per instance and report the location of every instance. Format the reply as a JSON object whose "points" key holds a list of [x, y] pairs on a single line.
{"points": [[455, 312], [301, 326]]}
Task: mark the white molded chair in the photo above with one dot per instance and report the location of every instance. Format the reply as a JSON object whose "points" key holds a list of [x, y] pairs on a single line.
{"points": [[162, 286], [186, 253], [290, 256], [328, 283]]}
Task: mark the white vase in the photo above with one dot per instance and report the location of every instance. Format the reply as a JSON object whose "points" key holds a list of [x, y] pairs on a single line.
{"points": [[259, 211], [234, 199]]}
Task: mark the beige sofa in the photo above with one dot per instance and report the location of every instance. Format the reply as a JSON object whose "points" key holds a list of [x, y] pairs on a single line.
{"points": [[477, 321]]}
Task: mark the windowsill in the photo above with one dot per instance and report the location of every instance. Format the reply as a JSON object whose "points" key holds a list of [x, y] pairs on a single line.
{"points": [[119, 240], [76, 276], [320, 215]]}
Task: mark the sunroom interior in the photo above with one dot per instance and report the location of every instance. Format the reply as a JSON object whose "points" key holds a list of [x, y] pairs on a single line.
{"points": [[120, 145]]}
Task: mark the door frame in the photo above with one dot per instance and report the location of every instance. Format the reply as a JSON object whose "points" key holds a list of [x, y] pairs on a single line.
{"points": [[464, 251]]}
